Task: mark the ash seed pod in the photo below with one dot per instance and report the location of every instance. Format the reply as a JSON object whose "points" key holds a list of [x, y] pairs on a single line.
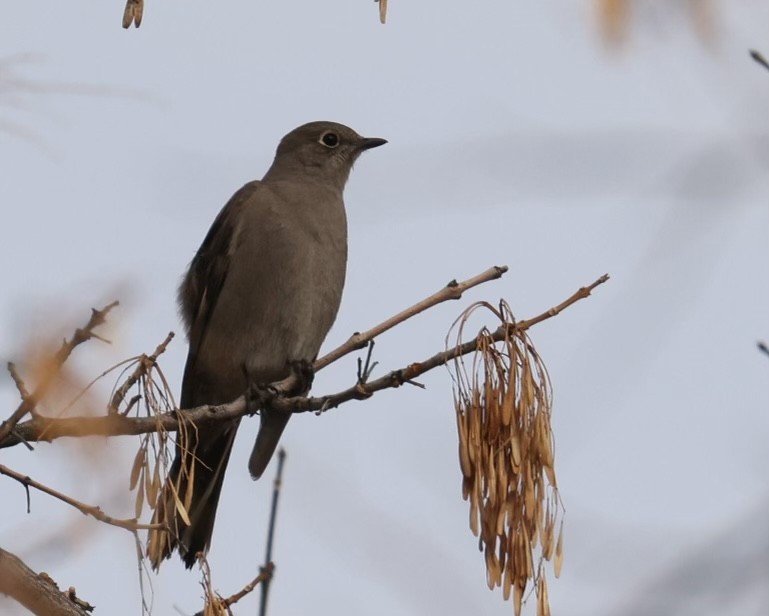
{"points": [[137, 467]]}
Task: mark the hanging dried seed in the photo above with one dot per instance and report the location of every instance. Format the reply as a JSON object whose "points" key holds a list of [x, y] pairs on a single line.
{"points": [[506, 456], [137, 467]]}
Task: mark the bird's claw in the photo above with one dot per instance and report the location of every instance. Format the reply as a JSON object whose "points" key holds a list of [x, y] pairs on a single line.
{"points": [[304, 373], [259, 397]]}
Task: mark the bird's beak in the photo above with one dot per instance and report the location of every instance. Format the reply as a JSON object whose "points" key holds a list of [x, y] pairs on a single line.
{"points": [[366, 143]]}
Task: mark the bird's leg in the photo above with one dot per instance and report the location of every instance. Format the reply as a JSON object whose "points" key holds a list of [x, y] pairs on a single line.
{"points": [[303, 371], [259, 397]]}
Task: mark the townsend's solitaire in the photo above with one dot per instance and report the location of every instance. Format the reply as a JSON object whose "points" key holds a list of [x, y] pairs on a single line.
{"points": [[258, 299]]}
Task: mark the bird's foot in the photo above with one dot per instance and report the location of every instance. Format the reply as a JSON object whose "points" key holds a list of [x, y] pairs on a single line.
{"points": [[259, 397], [304, 373]]}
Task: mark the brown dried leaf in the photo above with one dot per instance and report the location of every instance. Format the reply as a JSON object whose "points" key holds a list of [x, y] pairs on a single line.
{"points": [[515, 450], [491, 474], [139, 503], [517, 598], [473, 513], [492, 568], [154, 486], [464, 453], [507, 580], [382, 11], [181, 509], [558, 563], [543, 604], [190, 484], [137, 467]]}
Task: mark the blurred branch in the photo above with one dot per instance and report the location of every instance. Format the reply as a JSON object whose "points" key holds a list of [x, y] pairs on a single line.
{"points": [[30, 400], [91, 510], [265, 574], [276, 486], [759, 58], [763, 348], [37, 592], [221, 605], [48, 429]]}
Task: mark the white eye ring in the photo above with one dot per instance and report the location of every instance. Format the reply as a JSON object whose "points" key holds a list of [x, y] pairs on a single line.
{"points": [[330, 139]]}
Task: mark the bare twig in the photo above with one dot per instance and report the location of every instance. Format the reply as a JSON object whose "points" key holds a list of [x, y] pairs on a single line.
{"points": [[23, 393], [762, 347], [222, 604], [81, 335], [144, 365], [37, 592], [759, 58], [265, 574], [91, 510], [19, 382], [116, 425], [453, 290], [271, 531]]}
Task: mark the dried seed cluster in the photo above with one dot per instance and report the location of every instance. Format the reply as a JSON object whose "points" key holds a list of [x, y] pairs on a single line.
{"points": [[503, 406], [171, 506], [153, 398]]}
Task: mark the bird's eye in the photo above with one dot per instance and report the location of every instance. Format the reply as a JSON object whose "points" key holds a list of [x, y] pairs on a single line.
{"points": [[330, 140]]}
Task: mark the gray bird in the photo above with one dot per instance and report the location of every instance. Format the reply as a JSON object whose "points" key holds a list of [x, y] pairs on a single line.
{"points": [[257, 301]]}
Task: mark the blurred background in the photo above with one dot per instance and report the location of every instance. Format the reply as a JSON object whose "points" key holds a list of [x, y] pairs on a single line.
{"points": [[565, 140]]}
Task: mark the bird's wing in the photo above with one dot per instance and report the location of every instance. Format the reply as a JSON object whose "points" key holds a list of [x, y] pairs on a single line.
{"points": [[205, 278]]}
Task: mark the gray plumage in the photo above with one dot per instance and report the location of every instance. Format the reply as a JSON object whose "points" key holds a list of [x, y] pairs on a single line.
{"points": [[260, 295]]}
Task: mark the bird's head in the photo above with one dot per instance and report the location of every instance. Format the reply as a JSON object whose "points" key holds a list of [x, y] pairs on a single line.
{"points": [[325, 151]]}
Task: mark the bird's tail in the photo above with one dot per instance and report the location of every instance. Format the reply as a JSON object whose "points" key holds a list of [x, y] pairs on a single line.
{"points": [[270, 428], [187, 504]]}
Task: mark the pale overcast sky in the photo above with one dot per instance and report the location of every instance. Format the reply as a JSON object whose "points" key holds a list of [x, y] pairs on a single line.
{"points": [[515, 137]]}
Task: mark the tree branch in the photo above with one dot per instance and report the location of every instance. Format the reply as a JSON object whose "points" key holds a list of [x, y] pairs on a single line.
{"points": [[453, 290], [95, 512], [29, 401], [40, 428], [144, 365], [756, 55], [37, 592]]}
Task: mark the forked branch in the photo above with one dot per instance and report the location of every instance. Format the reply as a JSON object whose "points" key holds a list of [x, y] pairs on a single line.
{"points": [[42, 428]]}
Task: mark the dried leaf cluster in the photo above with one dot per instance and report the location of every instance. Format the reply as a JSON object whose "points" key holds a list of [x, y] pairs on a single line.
{"points": [[176, 504], [215, 605], [153, 397], [503, 406], [150, 466]]}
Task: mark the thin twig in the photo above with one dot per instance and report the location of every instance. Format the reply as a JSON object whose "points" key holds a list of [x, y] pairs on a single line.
{"points": [[81, 335], [19, 382], [116, 425], [95, 512], [756, 55], [453, 290], [276, 486], [218, 602], [23, 394], [265, 574], [144, 365]]}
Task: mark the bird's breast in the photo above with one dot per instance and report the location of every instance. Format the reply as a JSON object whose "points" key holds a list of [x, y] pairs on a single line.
{"points": [[284, 286]]}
